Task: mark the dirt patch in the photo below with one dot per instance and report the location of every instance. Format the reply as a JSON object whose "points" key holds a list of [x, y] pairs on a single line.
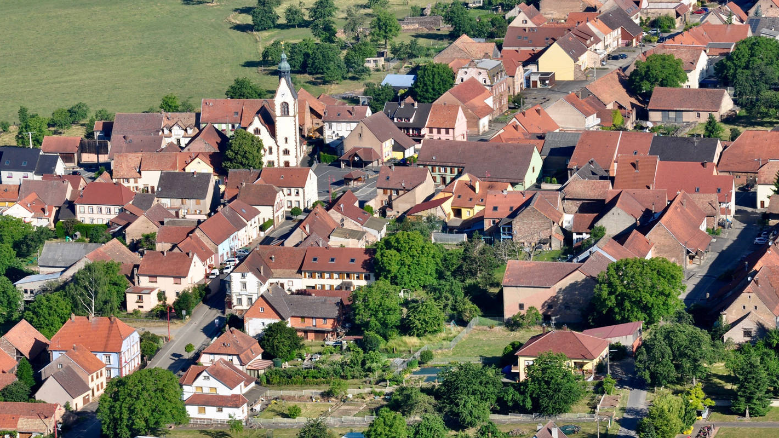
{"points": [[347, 411]]}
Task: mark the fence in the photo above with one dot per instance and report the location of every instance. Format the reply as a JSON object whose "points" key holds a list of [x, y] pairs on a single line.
{"points": [[290, 423], [538, 418], [318, 393], [449, 239]]}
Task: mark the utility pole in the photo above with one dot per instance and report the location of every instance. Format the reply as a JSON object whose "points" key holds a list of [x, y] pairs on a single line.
{"points": [[29, 134]]}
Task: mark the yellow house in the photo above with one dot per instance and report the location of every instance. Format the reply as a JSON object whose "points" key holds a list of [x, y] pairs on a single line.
{"points": [[468, 195], [9, 194], [567, 58], [584, 352], [199, 165]]}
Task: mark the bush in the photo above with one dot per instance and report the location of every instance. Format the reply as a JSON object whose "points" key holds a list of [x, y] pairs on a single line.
{"points": [[618, 352], [337, 389], [267, 224], [425, 356], [372, 341], [96, 233], [325, 158], [368, 209], [296, 211], [412, 364], [294, 411], [4, 126], [530, 318], [189, 348]]}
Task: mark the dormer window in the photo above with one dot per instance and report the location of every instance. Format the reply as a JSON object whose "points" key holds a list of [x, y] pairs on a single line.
{"points": [[315, 259]]}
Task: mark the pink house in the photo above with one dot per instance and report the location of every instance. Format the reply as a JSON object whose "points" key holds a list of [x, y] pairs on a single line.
{"points": [[446, 122]]}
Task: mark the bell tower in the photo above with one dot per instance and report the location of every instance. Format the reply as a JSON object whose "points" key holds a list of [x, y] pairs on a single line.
{"points": [[288, 144]]}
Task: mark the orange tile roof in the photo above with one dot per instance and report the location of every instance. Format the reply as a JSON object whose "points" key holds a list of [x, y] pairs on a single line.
{"points": [[613, 87], [25, 338], [678, 176], [223, 401], [443, 116], [9, 192], [687, 99], [638, 244], [472, 95], [604, 146], [682, 218], [237, 343], [85, 359], [524, 273], [573, 345], [285, 176], [98, 334], [165, 264], [60, 145], [7, 363], [636, 172], [750, 150], [534, 120], [737, 11], [104, 193]]}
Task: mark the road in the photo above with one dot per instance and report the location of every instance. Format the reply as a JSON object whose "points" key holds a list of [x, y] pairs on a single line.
{"points": [[200, 327], [625, 373], [89, 427]]}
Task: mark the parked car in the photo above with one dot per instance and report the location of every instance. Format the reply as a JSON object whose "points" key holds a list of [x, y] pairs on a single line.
{"points": [[228, 269], [623, 56], [761, 241], [700, 11], [243, 252], [231, 261], [76, 172], [214, 273]]}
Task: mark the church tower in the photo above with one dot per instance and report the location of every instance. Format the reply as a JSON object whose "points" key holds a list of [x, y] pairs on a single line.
{"points": [[290, 151]]}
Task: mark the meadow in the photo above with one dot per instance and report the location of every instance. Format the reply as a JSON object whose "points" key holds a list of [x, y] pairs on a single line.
{"points": [[124, 56]]}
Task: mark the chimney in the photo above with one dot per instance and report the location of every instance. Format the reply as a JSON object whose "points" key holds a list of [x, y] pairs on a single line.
{"points": [[635, 164], [164, 253], [72, 316], [273, 258], [757, 283], [135, 276], [307, 229], [705, 163], [554, 432]]}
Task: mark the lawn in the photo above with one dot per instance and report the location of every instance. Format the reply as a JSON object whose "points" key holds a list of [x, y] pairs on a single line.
{"points": [[724, 414], [483, 343], [751, 432], [404, 345], [308, 410], [719, 383], [741, 122], [125, 56]]}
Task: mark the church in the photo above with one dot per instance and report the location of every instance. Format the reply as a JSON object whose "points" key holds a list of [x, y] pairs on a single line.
{"points": [[274, 121]]}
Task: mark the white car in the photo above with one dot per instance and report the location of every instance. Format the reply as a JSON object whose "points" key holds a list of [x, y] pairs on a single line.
{"points": [[214, 273], [231, 261], [760, 241], [228, 269]]}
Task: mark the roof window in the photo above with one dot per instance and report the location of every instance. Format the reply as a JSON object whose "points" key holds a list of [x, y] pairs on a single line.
{"points": [[332, 259], [315, 259], [352, 260]]}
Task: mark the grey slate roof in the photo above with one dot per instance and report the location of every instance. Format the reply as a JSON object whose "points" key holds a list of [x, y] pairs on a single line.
{"points": [[592, 171], [46, 164], [346, 233], [375, 223], [689, 149], [71, 381], [301, 305], [560, 144], [64, 254], [757, 24], [418, 115], [16, 159], [616, 18], [144, 201], [184, 185]]}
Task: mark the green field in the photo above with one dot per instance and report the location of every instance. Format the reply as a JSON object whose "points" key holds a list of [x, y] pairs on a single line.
{"points": [[124, 56], [751, 432], [485, 344]]}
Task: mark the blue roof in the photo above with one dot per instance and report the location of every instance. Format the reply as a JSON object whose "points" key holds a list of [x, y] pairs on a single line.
{"points": [[399, 80], [39, 277], [354, 435]]}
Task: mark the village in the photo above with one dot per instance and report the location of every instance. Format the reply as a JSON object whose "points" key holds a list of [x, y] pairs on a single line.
{"points": [[561, 223]]}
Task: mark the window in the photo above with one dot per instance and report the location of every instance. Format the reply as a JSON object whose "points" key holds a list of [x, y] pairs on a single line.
{"points": [[256, 131], [219, 409], [91, 209], [286, 140], [297, 192], [302, 320], [107, 359], [243, 274], [59, 365], [81, 209], [332, 259], [239, 301], [284, 109], [698, 115], [285, 152], [243, 285], [201, 410], [152, 279], [324, 320], [697, 189], [99, 210], [262, 310], [199, 389], [212, 390], [747, 333], [521, 306], [177, 280]]}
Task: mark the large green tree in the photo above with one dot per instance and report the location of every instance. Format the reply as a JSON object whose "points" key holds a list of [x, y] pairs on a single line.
{"points": [[752, 384], [384, 26], [243, 152], [659, 70], [264, 16], [379, 94], [411, 401], [78, 112], [460, 19], [424, 317], [408, 260], [34, 127], [124, 414], [387, 424], [489, 430], [60, 118], [752, 69], [468, 391], [48, 312], [25, 373], [280, 340], [10, 301], [433, 80], [674, 353], [376, 308], [322, 10], [664, 417], [17, 391], [97, 289], [431, 426], [293, 15], [637, 289], [552, 386], [713, 128], [244, 88]]}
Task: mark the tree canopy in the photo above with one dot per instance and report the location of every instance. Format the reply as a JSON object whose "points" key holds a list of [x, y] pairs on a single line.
{"points": [[380, 94], [751, 368], [468, 391], [664, 417], [433, 80], [124, 414], [388, 424], [674, 353], [10, 301], [659, 70], [752, 69], [637, 289], [424, 317], [97, 289], [551, 386], [48, 313], [713, 128], [431, 426], [244, 88], [280, 340], [315, 428], [384, 26], [293, 15], [243, 152], [264, 16], [376, 308], [407, 260]]}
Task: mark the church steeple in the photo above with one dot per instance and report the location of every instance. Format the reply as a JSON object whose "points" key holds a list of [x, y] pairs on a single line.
{"points": [[284, 72]]}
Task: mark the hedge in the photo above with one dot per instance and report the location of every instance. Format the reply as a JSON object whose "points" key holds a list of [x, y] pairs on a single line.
{"points": [[267, 224], [86, 230], [327, 158]]}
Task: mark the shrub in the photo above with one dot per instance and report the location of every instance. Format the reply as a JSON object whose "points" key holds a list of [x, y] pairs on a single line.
{"points": [[294, 411], [337, 389], [189, 348], [372, 341], [368, 209], [412, 364], [425, 356], [530, 318], [296, 211], [267, 224], [325, 158], [4, 126]]}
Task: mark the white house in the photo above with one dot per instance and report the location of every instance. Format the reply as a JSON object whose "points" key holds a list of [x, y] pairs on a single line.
{"points": [[170, 272], [298, 185], [216, 407], [265, 266], [340, 120], [233, 346], [22, 163], [222, 378]]}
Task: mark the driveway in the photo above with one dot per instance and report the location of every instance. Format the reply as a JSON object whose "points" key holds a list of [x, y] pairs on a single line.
{"points": [[625, 373], [725, 252]]}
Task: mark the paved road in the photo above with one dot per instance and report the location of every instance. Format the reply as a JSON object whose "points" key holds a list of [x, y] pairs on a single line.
{"points": [[87, 428], [201, 327], [328, 176], [624, 372]]}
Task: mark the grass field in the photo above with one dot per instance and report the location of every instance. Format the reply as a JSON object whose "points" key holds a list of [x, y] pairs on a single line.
{"points": [[124, 56], [751, 432], [308, 410], [485, 343]]}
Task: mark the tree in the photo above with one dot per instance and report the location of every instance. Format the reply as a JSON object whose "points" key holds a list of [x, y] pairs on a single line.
{"points": [[354, 21], [148, 241], [7, 257], [78, 112], [35, 126], [379, 94], [244, 88], [657, 71], [97, 289], [322, 10], [11, 301], [431, 426], [169, 103], [185, 303], [458, 17], [25, 373], [294, 16], [378, 4], [124, 414], [751, 385], [48, 313], [674, 353], [337, 388], [368, 209], [468, 392], [695, 400], [664, 417], [271, 55], [384, 26], [752, 69], [16, 392], [376, 308], [433, 80], [294, 411], [149, 349], [551, 386], [235, 425], [637, 289], [315, 428], [666, 23], [407, 260], [243, 152], [489, 430], [280, 340], [712, 129], [617, 121], [531, 318], [424, 317], [24, 114], [60, 118], [608, 384], [295, 211], [411, 401], [734, 133], [324, 30], [325, 56], [371, 341], [387, 424], [264, 16]]}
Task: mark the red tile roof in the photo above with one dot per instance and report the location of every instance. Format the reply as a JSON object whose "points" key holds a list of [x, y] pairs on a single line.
{"points": [[615, 331], [678, 176], [102, 193], [766, 175], [237, 343], [352, 260], [223, 371], [537, 274], [6, 379], [25, 338], [292, 177], [345, 113], [613, 87], [401, 177], [473, 95], [586, 189], [196, 245], [638, 244], [573, 345], [98, 334], [604, 146], [85, 359], [683, 218], [737, 11], [258, 194], [173, 234], [533, 120], [750, 150], [7, 363], [165, 264], [283, 261], [687, 99], [9, 192], [60, 145], [114, 251], [220, 401], [318, 222], [636, 172], [443, 116]]}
